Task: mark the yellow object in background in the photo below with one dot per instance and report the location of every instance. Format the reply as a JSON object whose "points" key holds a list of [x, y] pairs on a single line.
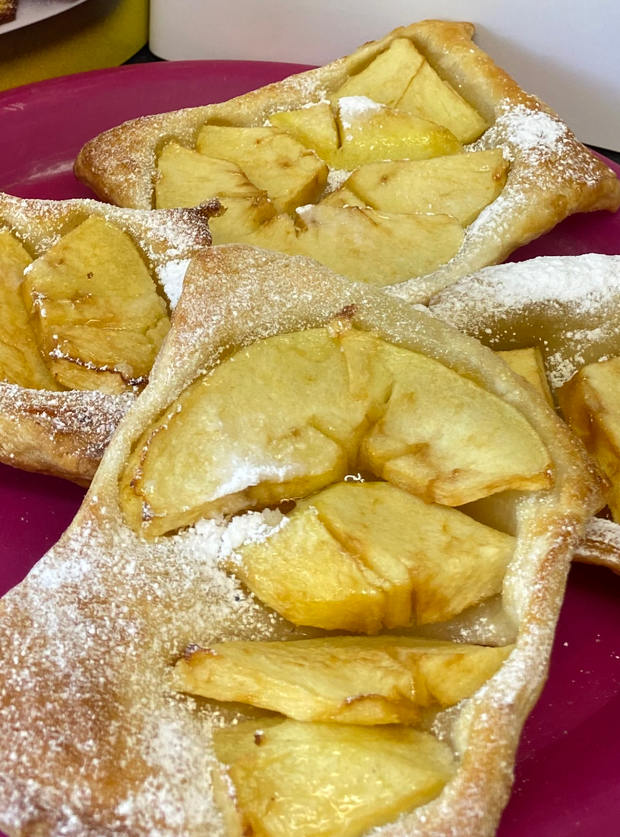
{"points": [[93, 35]]}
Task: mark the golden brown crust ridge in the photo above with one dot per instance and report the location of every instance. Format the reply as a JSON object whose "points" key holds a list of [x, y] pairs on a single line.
{"points": [[115, 752]]}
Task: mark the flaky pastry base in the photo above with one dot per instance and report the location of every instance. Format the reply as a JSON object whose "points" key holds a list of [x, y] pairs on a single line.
{"points": [[93, 741], [552, 175], [64, 433]]}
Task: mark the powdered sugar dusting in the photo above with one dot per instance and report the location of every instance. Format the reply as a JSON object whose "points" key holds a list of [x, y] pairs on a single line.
{"points": [[564, 304], [353, 108], [109, 596], [171, 275]]}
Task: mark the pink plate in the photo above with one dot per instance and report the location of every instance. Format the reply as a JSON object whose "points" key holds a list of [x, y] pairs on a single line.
{"points": [[568, 772]]}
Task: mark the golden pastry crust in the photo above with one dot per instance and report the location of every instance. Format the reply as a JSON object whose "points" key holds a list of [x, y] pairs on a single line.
{"points": [[65, 432], [103, 616], [552, 175]]}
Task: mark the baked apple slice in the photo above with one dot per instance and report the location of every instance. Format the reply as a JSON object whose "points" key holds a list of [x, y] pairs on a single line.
{"points": [[186, 178], [370, 132], [299, 420], [460, 185], [363, 243], [280, 772], [314, 126], [590, 402], [387, 77], [272, 160], [344, 679], [20, 360], [95, 309], [368, 556]]}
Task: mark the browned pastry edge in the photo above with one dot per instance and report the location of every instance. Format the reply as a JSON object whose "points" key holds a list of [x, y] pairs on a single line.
{"points": [[600, 545], [65, 433], [551, 176], [91, 741]]}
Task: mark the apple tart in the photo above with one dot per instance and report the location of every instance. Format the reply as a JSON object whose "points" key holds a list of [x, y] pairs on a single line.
{"points": [[276, 611], [557, 318], [412, 161], [86, 291]]}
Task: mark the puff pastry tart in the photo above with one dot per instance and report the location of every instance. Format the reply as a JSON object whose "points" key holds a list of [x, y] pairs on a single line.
{"points": [[86, 291], [565, 310], [416, 156], [205, 651]]}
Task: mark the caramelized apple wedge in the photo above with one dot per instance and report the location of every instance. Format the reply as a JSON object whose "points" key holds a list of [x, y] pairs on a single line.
{"points": [[186, 178], [460, 185], [95, 309], [387, 77], [346, 679], [289, 779], [276, 420], [363, 244], [286, 170], [447, 440], [362, 557], [430, 96], [313, 126], [20, 360], [530, 365], [293, 413]]}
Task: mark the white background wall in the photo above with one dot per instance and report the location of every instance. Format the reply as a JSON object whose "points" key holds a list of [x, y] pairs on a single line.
{"points": [[567, 52]]}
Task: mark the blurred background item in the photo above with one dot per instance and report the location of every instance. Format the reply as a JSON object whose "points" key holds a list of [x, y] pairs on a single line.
{"points": [[48, 38]]}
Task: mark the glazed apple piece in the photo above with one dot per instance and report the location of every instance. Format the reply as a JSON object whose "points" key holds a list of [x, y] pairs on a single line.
{"points": [[387, 77], [433, 98], [95, 309], [447, 440], [290, 173], [590, 402], [20, 360], [313, 126], [346, 679], [279, 419], [187, 178], [289, 781], [460, 185], [290, 414], [414, 562], [369, 246], [371, 132]]}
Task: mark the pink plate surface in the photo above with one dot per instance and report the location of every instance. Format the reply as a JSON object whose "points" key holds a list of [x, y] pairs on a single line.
{"points": [[568, 771]]}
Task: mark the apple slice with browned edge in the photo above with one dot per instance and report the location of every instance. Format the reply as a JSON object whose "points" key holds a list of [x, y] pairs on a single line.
{"points": [[289, 173], [367, 556], [345, 679], [97, 315], [20, 360]]}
